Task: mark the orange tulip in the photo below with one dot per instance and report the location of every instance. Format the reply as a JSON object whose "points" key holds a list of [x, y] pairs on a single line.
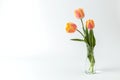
{"points": [[90, 24], [71, 27], [79, 13]]}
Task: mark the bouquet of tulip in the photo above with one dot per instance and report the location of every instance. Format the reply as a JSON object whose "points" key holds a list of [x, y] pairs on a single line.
{"points": [[87, 34]]}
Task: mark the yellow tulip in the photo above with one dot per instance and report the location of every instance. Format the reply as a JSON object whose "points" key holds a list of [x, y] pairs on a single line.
{"points": [[71, 27]]}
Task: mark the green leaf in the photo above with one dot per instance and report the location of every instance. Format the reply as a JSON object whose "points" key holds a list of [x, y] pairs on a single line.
{"points": [[86, 31], [77, 40], [86, 35], [92, 40]]}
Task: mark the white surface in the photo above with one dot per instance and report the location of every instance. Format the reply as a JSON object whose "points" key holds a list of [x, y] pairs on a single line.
{"points": [[35, 46], [51, 68]]}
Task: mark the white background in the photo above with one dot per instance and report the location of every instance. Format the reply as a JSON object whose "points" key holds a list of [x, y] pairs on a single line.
{"points": [[35, 46]]}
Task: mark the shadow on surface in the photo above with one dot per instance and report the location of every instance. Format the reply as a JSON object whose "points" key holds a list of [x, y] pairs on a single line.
{"points": [[110, 69]]}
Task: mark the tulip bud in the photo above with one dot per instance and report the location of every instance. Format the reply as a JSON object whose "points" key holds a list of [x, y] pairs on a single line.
{"points": [[71, 27], [79, 13], [90, 24]]}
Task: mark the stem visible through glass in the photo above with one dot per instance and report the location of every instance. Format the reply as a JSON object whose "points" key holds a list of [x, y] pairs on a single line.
{"points": [[90, 56]]}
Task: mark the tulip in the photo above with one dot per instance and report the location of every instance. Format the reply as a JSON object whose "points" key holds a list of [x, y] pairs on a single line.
{"points": [[90, 24], [79, 13], [71, 27]]}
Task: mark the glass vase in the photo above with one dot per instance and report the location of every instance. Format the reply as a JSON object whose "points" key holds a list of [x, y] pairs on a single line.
{"points": [[90, 61]]}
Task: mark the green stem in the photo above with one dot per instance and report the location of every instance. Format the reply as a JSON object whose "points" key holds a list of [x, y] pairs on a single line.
{"points": [[92, 63], [82, 25], [81, 33], [91, 58]]}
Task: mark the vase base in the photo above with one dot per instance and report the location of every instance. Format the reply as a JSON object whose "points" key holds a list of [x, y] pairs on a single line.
{"points": [[89, 73]]}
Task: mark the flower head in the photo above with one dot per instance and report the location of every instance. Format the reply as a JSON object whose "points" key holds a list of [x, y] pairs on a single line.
{"points": [[71, 27], [90, 24], [79, 13]]}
